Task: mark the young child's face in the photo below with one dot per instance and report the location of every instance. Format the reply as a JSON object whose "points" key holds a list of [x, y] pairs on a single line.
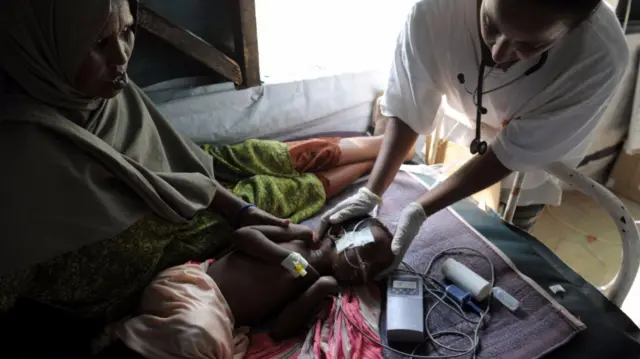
{"points": [[356, 266]]}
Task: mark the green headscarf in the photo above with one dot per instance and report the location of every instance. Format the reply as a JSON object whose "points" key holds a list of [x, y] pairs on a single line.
{"points": [[76, 170]]}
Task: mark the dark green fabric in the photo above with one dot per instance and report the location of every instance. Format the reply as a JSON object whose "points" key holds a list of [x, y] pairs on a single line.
{"points": [[102, 281], [609, 334], [87, 143]]}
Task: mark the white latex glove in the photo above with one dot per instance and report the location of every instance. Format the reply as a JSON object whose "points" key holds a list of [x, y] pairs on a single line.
{"points": [[360, 204], [409, 223]]}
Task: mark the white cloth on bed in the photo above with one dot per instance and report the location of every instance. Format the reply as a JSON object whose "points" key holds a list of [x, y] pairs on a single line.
{"points": [[552, 113]]}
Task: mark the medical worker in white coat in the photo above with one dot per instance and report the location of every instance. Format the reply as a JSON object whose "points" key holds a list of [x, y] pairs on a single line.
{"points": [[538, 74]]}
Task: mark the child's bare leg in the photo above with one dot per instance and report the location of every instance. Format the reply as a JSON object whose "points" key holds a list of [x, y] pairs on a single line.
{"points": [[359, 149], [338, 179], [321, 154]]}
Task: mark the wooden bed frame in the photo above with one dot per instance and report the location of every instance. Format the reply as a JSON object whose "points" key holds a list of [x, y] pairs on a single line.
{"points": [[242, 68]]}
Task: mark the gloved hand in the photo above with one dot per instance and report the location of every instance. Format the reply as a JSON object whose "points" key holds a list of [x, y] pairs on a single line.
{"points": [[409, 223], [360, 204]]}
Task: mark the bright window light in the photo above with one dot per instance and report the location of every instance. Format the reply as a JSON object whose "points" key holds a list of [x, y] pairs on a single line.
{"points": [[302, 39]]}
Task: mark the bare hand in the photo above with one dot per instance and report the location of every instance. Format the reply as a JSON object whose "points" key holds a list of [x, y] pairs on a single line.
{"points": [[304, 234], [254, 216]]}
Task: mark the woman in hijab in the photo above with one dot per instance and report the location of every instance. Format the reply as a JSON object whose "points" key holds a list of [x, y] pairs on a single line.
{"points": [[99, 192]]}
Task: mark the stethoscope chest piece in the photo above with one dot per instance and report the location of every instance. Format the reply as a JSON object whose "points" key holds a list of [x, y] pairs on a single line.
{"points": [[478, 147]]}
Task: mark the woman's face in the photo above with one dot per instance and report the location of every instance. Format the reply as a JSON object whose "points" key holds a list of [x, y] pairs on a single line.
{"points": [[518, 29], [102, 74]]}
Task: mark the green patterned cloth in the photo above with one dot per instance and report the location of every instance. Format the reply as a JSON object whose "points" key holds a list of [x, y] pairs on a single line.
{"points": [[261, 172], [103, 281]]}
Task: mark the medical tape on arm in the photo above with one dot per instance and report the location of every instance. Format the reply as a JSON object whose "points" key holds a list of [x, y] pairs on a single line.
{"points": [[295, 264]]}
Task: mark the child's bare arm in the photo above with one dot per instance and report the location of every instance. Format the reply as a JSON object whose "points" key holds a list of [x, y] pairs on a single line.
{"points": [[256, 244], [282, 235], [297, 314]]}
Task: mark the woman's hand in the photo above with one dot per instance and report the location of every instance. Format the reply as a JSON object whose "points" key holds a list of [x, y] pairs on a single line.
{"points": [[239, 213], [254, 216], [305, 234]]}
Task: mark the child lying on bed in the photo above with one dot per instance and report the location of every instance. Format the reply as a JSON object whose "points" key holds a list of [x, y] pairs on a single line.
{"points": [[190, 311]]}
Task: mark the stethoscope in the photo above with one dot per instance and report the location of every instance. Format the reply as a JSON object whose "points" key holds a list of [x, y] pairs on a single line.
{"points": [[478, 146]]}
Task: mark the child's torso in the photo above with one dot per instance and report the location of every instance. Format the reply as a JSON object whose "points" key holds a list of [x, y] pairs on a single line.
{"points": [[256, 291]]}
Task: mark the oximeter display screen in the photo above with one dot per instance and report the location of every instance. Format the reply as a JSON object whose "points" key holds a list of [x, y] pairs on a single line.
{"points": [[404, 284]]}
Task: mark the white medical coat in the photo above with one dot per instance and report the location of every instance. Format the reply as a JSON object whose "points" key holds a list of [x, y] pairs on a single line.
{"points": [[542, 118]]}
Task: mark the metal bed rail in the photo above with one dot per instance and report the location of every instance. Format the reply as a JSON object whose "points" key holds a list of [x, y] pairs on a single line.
{"points": [[618, 288]]}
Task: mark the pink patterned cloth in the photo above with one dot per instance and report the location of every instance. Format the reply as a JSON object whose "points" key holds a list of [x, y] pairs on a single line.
{"points": [[332, 336], [184, 316]]}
